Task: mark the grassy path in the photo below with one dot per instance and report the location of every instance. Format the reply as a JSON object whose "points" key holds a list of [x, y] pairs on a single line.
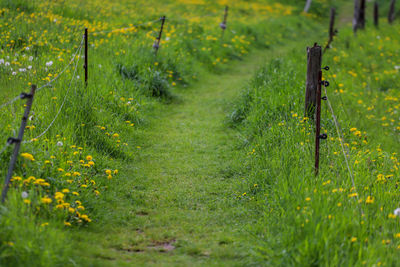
{"points": [[176, 204]]}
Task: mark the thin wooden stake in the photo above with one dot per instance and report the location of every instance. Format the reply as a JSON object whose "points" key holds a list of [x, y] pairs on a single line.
{"points": [[392, 14], [223, 24], [332, 31], [361, 17], [314, 57], [376, 14], [18, 141], [356, 14], [86, 57], [318, 123], [157, 42]]}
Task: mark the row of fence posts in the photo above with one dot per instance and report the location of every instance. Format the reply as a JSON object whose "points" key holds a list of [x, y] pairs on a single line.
{"points": [[30, 96], [359, 14], [314, 80]]}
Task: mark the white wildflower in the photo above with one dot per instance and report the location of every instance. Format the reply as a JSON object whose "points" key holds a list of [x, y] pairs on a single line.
{"points": [[24, 194], [14, 73], [48, 64], [7, 64], [1, 61], [397, 212], [30, 58], [59, 143]]}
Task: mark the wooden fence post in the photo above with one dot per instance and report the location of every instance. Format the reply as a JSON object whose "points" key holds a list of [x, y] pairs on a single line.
{"points": [[314, 57], [86, 57], [361, 17], [157, 42], [332, 30], [223, 24], [392, 13], [17, 141], [356, 14], [376, 14]]}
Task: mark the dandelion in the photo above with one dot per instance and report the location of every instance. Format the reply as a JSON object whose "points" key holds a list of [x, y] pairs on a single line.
{"points": [[24, 194], [353, 239], [89, 158], [28, 156], [369, 200], [67, 224], [44, 224], [46, 200]]}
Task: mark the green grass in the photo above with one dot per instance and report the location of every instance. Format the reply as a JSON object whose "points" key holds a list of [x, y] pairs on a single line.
{"points": [[195, 157], [181, 190], [319, 221]]}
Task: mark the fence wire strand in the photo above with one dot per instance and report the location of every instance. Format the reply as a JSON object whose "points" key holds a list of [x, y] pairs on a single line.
{"points": [[63, 103], [51, 81], [345, 152], [4, 149]]}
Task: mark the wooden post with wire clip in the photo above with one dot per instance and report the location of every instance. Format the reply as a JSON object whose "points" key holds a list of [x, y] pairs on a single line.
{"points": [[314, 57], [318, 135], [332, 30], [156, 44], [223, 23], [17, 141]]}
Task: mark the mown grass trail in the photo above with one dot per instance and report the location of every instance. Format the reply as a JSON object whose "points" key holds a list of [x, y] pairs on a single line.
{"points": [[176, 205]]}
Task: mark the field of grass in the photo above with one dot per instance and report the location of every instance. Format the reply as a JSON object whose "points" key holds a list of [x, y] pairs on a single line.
{"points": [[176, 159]]}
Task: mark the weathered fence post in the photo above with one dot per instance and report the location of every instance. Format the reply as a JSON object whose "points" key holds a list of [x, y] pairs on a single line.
{"points": [[356, 14], [223, 24], [157, 42], [85, 66], [314, 56], [17, 141], [392, 13], [332, 31], [376, 14], [361, 17]]}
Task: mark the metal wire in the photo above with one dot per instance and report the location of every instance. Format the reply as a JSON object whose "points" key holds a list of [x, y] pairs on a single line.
{"points": [[62, 105], [66, 67], [4, 148], [345, 152], [126, 28], [51, 81]]}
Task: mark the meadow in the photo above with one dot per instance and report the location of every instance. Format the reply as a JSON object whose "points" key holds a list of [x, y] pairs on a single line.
{"points": [[84, 169]]}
